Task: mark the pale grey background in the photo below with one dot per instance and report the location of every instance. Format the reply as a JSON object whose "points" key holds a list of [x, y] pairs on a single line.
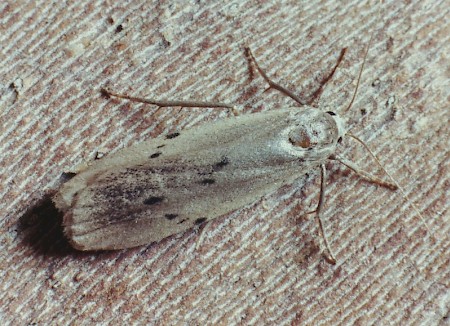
{"points": [[260, 265]]}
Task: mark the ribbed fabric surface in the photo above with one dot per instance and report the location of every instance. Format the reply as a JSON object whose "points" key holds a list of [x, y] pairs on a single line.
{"points": [[260, 265]]}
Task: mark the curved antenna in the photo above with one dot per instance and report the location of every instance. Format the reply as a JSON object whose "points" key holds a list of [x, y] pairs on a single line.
{"points": [[360, 73], [167, 103], [271, 83], [394, 185]]}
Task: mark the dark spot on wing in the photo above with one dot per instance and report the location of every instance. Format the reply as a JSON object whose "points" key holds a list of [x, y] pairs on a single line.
{"points": [[173, 135], [155, 155], [161, 146], [182, 221], [153, 200], [207, 181], [331, 113], [200, 220], [219, 165], [171, 216]]}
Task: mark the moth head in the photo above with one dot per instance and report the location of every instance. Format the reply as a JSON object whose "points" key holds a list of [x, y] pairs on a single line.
{"points": [[317, 131], [340, 125]]}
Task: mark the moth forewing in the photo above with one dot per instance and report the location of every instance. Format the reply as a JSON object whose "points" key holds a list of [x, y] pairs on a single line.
{"points": [[169, 184]]}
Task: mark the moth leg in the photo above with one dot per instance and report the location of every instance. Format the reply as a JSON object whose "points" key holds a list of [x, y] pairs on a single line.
{"points": [[167, 103], [327, 254], [316, 95], [271, 83], [364, 174], [393, 186], [287, 92]]}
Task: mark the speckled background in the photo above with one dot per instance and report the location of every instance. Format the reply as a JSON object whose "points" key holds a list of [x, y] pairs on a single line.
{"points": [[261, 264]]}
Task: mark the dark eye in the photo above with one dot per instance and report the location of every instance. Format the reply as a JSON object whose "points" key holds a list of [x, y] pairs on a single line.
{"points": [[339, 140], [331, 113]]}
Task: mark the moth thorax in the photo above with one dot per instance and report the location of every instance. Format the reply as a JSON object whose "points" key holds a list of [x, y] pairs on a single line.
{"points": [[319, 132]]}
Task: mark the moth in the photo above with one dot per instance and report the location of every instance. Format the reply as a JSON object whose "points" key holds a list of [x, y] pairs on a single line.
{"points": [[171, 183]]}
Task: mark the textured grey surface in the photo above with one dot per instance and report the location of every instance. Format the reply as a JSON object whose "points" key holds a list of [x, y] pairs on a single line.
{"points": [[260, 265]]}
